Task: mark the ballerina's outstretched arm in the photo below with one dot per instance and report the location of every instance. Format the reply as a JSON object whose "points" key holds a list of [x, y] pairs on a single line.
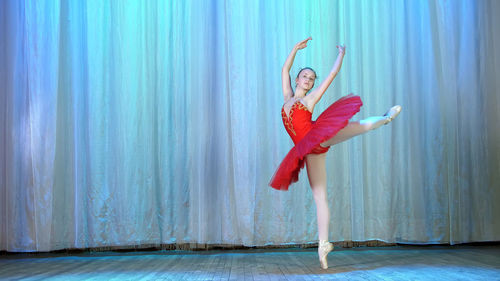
{"points": [[285, 71], [316, 95]]}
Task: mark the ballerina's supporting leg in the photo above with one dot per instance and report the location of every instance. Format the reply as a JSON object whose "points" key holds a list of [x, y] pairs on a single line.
{"points": [[316, 172]]}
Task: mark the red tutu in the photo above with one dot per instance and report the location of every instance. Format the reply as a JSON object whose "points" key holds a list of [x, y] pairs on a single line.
{"points": [[308, 135]]}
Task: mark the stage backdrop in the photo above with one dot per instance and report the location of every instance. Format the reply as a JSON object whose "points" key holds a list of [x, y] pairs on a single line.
{"points": [[158, 122]]}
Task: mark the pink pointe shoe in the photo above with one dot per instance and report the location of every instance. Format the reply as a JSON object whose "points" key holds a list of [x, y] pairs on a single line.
{"points": [[324, 247], [392, 113]]}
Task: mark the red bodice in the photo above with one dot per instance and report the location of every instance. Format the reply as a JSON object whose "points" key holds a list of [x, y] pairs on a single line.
{"points": [[298, 123]]}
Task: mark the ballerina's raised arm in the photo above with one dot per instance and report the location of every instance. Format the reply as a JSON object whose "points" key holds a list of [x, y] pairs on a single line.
{"points": [[285, 71], [317, 93]]}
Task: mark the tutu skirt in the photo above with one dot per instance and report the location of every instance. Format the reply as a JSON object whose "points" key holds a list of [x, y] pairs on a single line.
{"points": [[328, 124]]}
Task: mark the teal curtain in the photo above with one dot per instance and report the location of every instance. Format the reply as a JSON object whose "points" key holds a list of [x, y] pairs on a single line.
{"points": [[158, 122]]}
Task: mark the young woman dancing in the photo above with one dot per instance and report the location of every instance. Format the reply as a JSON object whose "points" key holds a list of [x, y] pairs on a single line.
{"points": [[312, 139]]}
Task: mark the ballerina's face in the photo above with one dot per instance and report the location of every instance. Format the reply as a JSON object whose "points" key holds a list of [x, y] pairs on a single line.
{"points": [[305, 79]]}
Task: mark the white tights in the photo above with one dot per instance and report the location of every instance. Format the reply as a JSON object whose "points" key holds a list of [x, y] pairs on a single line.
{"points": [[316, 170]]}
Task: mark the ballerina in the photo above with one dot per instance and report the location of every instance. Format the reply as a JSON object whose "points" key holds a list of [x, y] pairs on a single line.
{"points": [[312, 139]]}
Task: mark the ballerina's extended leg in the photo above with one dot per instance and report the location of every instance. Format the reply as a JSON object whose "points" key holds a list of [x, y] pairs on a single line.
{"points": [[360, 127]]}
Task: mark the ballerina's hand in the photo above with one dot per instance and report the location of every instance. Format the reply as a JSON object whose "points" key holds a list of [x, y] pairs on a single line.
{"points": [[341, 49], [302, 44]]}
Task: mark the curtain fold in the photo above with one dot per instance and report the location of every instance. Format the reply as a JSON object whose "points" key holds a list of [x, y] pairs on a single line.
{"points": [[158, 122]]}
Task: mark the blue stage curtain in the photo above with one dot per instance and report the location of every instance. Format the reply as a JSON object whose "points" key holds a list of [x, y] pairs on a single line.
{"points": [[158, 122]]}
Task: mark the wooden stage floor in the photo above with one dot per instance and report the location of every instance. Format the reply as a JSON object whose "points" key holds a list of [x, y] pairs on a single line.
{"points": [[364, 263]]}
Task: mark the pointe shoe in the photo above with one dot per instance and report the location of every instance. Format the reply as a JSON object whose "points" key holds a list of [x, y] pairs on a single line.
{"points": [[324, 247], [392, 113]]}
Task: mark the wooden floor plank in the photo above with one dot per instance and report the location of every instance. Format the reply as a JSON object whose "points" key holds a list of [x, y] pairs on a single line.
{"points": [[366, 263]]}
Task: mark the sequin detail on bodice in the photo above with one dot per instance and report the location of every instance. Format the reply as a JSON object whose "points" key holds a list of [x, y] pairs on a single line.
{"points": [[298, 122]]}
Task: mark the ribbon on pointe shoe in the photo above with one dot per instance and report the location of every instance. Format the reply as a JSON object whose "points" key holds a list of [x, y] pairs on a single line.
{"points": [[324, 247], [392, 113]]}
